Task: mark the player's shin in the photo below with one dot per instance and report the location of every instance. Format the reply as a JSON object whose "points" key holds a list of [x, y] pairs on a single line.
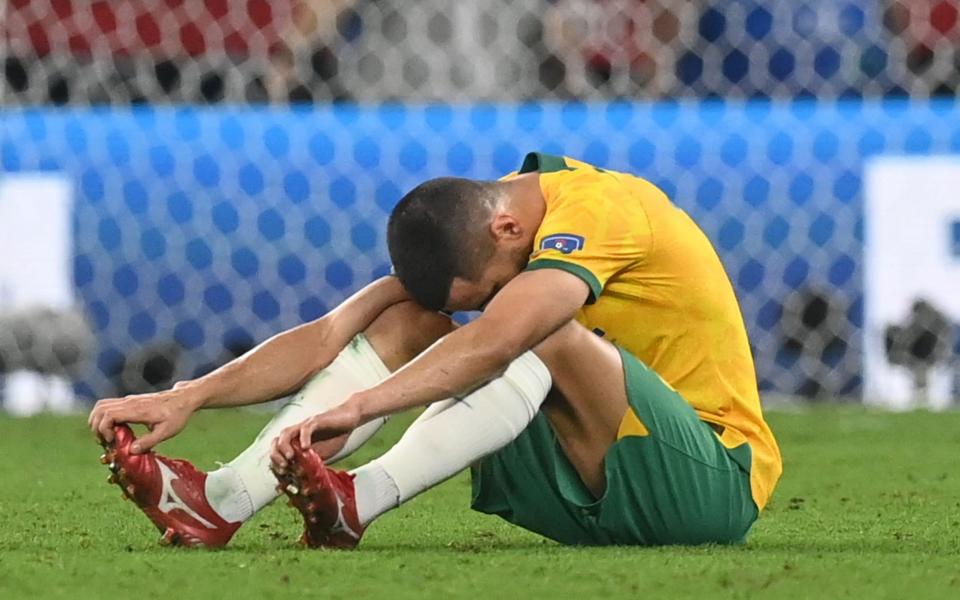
{"points": [[245, 485], [451, 435]]}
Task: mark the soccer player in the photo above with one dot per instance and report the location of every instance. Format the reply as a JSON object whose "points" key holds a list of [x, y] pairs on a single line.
{"points": [[605, 395]]}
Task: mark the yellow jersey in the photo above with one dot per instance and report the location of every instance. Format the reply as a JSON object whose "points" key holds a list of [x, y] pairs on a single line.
{"points": [[657, 289]]}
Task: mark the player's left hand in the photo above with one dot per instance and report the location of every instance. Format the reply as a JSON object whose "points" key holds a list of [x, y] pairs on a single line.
{"points": [[327, 432]]}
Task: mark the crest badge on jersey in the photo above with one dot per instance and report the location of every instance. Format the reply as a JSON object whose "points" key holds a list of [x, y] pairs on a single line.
{"points": [[564, 242]]}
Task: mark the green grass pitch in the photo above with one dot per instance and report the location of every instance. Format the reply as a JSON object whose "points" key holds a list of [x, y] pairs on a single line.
{"points": [[869, 507]]}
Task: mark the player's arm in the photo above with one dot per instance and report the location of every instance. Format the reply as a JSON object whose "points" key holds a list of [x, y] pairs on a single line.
{"points": [[286, 361], [273, 369], [528, 309]]}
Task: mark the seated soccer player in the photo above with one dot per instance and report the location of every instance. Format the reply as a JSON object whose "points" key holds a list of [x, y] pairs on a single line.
{"points": [[605, 395]]}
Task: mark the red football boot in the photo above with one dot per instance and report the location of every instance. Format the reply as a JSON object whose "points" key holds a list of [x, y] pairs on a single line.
{"points": [[170, 492], [325, 497]]}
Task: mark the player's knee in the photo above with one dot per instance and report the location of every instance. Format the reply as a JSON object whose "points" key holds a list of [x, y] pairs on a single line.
{"points": [[559, 343], [403, 331]]}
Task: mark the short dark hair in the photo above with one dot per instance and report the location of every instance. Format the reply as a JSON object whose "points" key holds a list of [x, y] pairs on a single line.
{"points": [[438, 231]]}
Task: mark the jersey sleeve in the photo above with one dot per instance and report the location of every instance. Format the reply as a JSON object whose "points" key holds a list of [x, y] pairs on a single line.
{"points": [[591, 235]]}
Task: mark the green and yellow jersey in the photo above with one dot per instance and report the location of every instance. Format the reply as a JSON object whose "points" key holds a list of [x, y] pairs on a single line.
{"points": [[657, 289]]}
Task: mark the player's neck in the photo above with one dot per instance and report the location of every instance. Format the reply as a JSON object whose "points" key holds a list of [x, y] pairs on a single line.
{"points": [[525, 202]]}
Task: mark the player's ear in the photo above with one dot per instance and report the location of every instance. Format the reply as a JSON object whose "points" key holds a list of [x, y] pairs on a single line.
{"points": [[505, 227]]}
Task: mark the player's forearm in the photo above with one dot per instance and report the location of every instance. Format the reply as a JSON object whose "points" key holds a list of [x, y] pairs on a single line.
{"points": [[271, 370], [455, 365], [286, 361], [517, 319]]}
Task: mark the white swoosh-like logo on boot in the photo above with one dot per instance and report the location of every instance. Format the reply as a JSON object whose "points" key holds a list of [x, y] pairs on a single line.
{"points": [[340, 526], [169, 500]]}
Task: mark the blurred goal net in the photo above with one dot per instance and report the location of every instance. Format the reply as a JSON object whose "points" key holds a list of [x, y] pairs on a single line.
{"points": [[236, 51], [201, 232]]}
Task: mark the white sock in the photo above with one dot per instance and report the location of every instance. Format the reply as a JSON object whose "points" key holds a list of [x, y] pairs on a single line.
{"points": [[227, 496], [377, 492], [245, 485], [451, 435]]}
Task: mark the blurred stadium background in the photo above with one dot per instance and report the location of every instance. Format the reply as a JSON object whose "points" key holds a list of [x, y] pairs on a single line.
{"points": [[181, 179]]}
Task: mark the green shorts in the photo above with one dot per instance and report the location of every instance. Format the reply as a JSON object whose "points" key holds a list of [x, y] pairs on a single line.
{"points": [[675, 485]]}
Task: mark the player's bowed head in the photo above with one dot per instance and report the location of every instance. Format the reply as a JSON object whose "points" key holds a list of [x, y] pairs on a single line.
{"points": [[455, 242]]}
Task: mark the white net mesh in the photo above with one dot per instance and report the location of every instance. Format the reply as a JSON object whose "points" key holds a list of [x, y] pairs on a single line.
{"points": [[313, 50]]}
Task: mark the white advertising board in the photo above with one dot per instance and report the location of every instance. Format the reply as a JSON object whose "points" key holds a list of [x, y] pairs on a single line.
{"points": [[911, 254], [36, 248]]}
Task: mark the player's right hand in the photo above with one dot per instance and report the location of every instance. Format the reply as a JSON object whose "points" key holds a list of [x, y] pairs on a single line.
{"points": [[164, 413]]}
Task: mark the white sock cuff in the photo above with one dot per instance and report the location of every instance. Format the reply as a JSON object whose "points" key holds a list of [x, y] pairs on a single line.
{"points": [[530, 377], [377, 492], [228, 496], [362, 360]]}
